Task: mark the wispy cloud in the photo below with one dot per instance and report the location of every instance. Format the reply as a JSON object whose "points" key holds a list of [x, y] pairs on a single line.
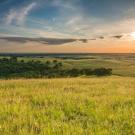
{"points": [[18, 16], [70, 22]]}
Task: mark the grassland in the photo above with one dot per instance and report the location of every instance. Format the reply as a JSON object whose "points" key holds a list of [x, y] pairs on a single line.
{"points": [[121, 64], [74, 106]]}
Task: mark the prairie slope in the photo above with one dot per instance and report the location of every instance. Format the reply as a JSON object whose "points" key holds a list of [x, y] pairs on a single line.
{"points": [[77, 106], [121, 64]]}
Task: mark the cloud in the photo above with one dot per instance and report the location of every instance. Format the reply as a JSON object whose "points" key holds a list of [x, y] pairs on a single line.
{"points": [[118, 36], [70, 22], [93, 39], [47, 41], [66, 5], [101, 37], [18, 16], [83, 40]]}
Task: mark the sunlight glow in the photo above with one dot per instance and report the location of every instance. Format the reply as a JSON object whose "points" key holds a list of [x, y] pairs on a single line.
{"points": [[133, 35]]}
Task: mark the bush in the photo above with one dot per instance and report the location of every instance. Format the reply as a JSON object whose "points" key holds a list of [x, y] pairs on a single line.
{"points": [[102, 71]]}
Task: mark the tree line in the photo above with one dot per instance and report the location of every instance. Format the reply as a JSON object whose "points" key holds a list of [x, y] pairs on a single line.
{"points": [[12, 67]]}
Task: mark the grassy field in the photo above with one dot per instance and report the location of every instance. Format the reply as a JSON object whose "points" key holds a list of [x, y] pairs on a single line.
{"points": [[121, 64], [74, 106]]}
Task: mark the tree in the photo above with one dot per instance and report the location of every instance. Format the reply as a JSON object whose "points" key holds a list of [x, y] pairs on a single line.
{"points": [[48, 62], [60, 64], [102, 71], [55, 61], [13, 59]]}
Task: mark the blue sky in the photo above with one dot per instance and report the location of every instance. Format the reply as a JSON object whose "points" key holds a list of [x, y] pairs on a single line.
{"points": [[66, 19]]}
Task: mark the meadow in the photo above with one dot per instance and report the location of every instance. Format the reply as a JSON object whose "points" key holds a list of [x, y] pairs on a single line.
{"points": [[71, 106], [74, 106], [121, 64]]}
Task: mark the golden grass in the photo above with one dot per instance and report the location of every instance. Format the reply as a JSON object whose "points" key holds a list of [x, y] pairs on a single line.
{"points": [[71, 106]]}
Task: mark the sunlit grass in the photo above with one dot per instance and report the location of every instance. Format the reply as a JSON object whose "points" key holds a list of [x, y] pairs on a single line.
{"points": [[122, 67], [76, 106]]}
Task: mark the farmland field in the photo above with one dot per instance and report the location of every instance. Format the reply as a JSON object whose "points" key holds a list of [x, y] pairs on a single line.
{"points": [[73, 106]]}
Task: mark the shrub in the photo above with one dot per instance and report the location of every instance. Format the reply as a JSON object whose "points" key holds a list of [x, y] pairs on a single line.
{"points": [[102, 71]]}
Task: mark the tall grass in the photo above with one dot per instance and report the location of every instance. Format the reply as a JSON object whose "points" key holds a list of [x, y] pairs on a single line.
{"points": [[80, 106]]}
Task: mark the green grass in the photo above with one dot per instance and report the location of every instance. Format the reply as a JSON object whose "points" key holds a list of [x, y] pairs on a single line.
{"points": [[74, 106], [122, 66]]}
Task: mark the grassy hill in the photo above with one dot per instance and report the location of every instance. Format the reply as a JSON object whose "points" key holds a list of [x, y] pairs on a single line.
{"points": [[74, 106], [121, 64]]}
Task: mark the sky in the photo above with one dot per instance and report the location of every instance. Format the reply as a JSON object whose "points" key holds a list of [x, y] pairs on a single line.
{"points": [[67, 26]]}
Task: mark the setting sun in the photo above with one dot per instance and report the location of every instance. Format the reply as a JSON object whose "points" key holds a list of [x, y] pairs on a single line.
{"points": [[133, 35]]}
